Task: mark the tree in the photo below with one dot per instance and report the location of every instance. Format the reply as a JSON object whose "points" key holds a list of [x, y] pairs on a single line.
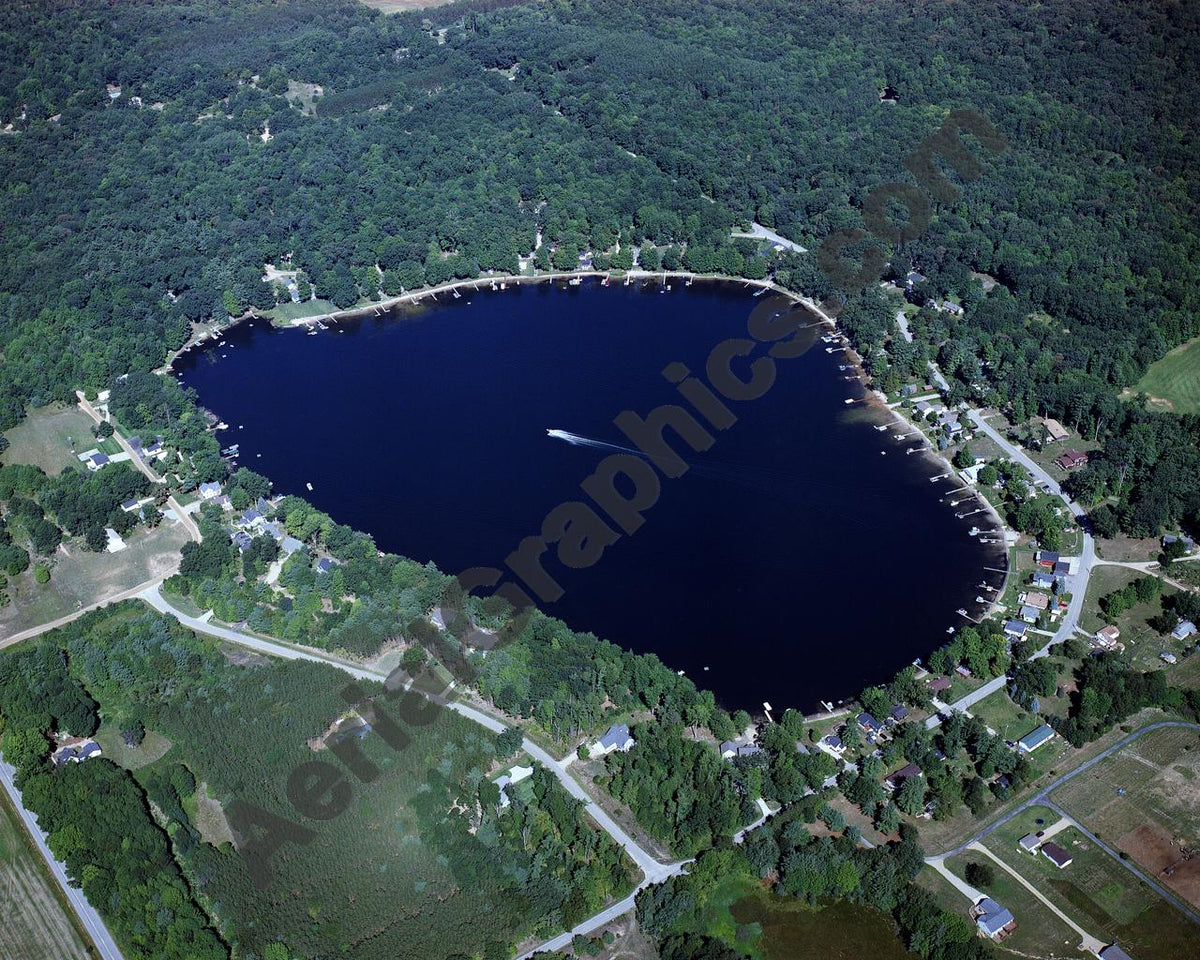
{"points": [[910, 795], [509, 740]]}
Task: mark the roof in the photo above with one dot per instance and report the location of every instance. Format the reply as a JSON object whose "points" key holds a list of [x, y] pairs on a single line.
{"points": [[99, 459], [325, 564], [1035, 738], [129, 504], [904, 773], [1030, 841], [866, 720], [1056, 430], [1114, 952], [992, 917], [210, 487], [250, 516], [1062, 567], [942, 683], [899, 711], [1047, 556], [1056, 854], [914, 277], [1039, 601], [1183, 629], [616, 735], [1029, 612], [834, 741], [1111, 632], [291, 545], [1042, 578]]}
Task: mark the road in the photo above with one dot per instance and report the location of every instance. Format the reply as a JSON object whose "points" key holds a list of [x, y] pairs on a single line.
{"points": [[54, 624], [758, 232], [105, 945], [188, 523], [652, 870]]}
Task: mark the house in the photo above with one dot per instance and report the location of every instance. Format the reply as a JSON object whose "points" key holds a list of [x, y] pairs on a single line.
{"points": [[1039, 601], [904, 773], [913, 279], [833, 743], [250, 518], [75, 750], [290, 545], [1113, 952], [730, 749], [152, 451], [210, 490], [241, 540], [513, 776], [616, 738], [1029, 613], [1056, 854], [1107, 637], [1046, 558], [95, 460], [941, 684], [1035, 738], [129, 505], [1183, 630], [869, 724], [1030, 842], [949, 306], [923, 407], [1015, 629], [325, 564], [952, 428], [113, 90], [993, 919], [962, 671], [1043, 580], [1071, 459], [1167, 657], [898, 712], [1062, 568], [1055, 431], [1189, 545]]}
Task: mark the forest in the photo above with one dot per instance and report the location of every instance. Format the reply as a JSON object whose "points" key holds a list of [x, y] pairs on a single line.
{"points": [[143, 189]]}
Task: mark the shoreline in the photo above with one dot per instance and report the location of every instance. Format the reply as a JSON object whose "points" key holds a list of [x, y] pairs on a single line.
{"points": [[413, 297]]}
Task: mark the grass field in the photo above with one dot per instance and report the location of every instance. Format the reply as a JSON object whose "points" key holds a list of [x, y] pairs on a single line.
{"points": [[1174, 381], [45, 437], [80, 578], [1039, 932], [36, 924], [1145, 801], [1004, 716], [1095, 890]]}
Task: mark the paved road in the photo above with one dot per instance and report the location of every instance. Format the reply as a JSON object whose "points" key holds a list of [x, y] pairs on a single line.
{"points": [[1040, 798], [105, 945], [188, 523], [653, 870], [53, 624], [759, 232]]}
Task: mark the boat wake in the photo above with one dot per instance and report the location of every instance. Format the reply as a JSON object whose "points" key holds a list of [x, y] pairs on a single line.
{"points": [[576, 440]]}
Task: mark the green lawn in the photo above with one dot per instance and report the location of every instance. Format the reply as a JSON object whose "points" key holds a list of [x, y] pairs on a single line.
{"points": [[1002, 715], [1174, 381], [49, 437]]}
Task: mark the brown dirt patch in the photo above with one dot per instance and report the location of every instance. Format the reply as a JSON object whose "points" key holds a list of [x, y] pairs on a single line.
{"points": [[1164, 859]]}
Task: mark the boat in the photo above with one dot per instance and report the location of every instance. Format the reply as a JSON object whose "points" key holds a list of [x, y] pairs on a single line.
{"points": [[457, 295], [308, 485], [575, 281], [850, 400], [503, 285], [761, 291], [604, 282]]}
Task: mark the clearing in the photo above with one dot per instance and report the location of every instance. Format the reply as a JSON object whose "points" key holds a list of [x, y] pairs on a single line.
{"points": [[80, 578], [49, 438], [1173, 382], [36, 922], [399, 6]]}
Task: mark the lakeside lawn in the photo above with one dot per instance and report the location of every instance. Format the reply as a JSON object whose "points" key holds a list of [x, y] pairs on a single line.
{"points": [[1005, 717], [1174, 381], [37, 922]]}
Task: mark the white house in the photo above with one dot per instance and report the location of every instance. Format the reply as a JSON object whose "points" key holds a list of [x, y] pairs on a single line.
{"points": [[616, 738], [515, 775]]}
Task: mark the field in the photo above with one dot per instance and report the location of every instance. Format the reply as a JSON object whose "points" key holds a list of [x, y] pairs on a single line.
{"points": [[36, 924], [1039, 932], [398, 6], [80, 578], [45, 437], [1145, 800], [1174, 381], [1003, 716]]}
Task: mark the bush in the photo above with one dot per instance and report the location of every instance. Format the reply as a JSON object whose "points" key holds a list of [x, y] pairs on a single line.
{"points": [[41, 574], [980, 875]]}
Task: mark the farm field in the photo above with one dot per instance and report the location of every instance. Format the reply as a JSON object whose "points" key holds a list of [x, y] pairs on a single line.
{"points": [[1145, 801], [36, 924], [1174, 381]]}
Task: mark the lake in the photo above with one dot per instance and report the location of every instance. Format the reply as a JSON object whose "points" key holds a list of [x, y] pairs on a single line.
{"points": [[801, 557]]}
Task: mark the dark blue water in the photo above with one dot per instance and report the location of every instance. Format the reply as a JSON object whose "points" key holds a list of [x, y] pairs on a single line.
{"points": [[794, 560]]}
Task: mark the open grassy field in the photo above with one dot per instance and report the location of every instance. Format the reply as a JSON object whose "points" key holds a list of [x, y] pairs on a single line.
{"points": [[1004, 716], [48, 438], [36, 924], [1096, 891], [1174, 381], [1039, 932], [80, 578], [1145, 801]]}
